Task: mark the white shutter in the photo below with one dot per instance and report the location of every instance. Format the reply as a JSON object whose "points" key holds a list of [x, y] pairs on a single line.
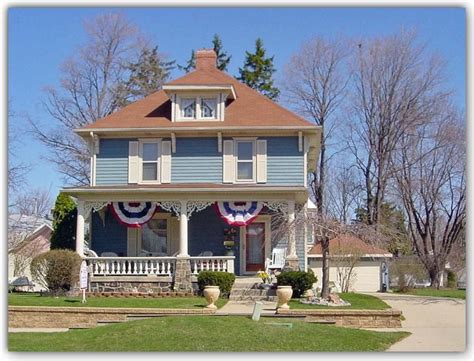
{"points": [[261, 161], [228, 166], [132, 242], [133, 162], [166, 161]]}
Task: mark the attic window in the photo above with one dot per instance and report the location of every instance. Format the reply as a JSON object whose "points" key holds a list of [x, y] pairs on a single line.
{"points": [[208, 108], [188, 108]]}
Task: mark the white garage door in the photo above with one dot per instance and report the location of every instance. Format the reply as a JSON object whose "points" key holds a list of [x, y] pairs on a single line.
{"points": [[366, 275]]}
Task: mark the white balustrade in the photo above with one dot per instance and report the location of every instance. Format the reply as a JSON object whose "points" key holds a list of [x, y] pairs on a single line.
{"points": [[160, 266]]}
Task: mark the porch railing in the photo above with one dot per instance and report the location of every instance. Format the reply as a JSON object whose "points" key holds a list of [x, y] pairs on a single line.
{"points": [[160, 266]]}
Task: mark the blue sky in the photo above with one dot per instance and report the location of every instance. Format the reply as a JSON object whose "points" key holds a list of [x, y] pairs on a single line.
{"points": [[40, 39]]}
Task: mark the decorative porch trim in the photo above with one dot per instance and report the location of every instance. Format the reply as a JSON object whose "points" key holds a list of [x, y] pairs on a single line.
{"points": [[171, 206], [277, 206], [197, 206], [93, 205]]}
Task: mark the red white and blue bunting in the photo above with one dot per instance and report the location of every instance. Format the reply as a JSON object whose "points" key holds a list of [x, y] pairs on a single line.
{"points": [[133, 214], [238, 213]]}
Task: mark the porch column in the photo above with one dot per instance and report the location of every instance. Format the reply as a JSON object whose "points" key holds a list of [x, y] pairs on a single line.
{"points": [[183, 230], [80, 228], [292, 258]]}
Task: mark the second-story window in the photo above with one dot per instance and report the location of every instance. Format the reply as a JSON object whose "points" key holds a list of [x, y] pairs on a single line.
{"points": [[150, 158], [245, 160], [208, 108], [188, 108]]}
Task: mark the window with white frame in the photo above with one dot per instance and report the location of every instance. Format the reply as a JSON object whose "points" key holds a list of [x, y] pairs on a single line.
{"points": [[188, 108], [245, 160], [150, 160], [208, 108]]}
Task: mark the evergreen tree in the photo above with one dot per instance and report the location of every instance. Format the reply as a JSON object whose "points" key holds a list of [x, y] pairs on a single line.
{"points": [[258, 71], [147, 76], [64, 223], [223, 59]]}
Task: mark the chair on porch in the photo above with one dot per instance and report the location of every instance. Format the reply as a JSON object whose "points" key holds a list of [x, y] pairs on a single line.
{"points": [[277, 262], [206, 254], [109, 254]]}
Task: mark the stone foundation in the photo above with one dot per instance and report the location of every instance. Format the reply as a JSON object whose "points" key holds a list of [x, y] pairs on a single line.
{"points": [[388, 318], [183, 275]]}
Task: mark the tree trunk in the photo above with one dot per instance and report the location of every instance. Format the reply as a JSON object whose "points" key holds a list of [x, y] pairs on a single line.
{"points": [[325, 267], [434, 277]]}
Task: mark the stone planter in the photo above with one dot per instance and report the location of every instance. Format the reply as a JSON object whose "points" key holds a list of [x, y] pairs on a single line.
{"points": [[284, 294], [212, 294]]}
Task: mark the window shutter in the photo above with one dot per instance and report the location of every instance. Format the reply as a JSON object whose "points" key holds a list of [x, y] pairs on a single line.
{"points": [[228, 166], [132, 242], [166, 161], [133, 162], [261, 161]]}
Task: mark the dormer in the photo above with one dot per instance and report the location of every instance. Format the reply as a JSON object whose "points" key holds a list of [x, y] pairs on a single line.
{"points": [[196, 100]]}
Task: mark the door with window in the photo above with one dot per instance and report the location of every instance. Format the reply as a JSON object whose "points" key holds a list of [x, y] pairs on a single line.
{"points": [[256, 244]]}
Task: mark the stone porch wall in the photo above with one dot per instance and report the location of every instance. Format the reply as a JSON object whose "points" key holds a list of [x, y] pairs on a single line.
{"points": [[84, 317], [389, 318]]}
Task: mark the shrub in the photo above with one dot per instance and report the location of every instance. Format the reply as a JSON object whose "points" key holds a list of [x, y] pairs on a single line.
{"points": [[452, 279], [64, 223], [224, 280], [299, 281], [58, 270]]}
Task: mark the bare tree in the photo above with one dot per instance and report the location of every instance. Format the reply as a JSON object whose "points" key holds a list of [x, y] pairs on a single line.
{"points": [[314, 84], [36, 202], [396, 85], [432, 185], [345, 258], [17, 169], [90, 81]]}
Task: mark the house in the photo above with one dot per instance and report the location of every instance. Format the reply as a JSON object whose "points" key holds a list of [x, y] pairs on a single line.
{"points": [[367, 264], [28, 237], [175, 174]]}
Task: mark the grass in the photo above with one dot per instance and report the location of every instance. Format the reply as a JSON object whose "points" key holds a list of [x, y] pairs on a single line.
{"points": [[358, 301], [35, 299], [443, 292], [207, 333]]}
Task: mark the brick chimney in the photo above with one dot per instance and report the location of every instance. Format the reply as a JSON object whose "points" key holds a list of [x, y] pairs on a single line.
{"points": [[205, 59]]}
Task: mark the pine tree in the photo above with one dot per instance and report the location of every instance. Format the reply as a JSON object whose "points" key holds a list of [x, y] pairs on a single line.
{"points": [[147, 76], [258, 71], [223, 59]]}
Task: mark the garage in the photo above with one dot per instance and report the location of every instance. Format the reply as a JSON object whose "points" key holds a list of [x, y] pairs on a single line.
{"points": [[352, 262]]}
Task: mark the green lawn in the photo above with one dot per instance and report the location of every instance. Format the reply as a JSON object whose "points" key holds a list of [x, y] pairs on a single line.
{"points": [[207, 333], [443, 292], [357, 301], [24, 299]]}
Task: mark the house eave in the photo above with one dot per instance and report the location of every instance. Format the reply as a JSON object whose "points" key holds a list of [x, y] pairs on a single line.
{"points": [[229, 89]]}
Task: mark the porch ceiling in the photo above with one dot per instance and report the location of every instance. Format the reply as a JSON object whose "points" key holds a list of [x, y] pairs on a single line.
{"points": [[194, 191]]}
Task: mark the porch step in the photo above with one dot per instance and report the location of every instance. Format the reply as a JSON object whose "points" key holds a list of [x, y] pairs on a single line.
{"points": [[246, 289]]}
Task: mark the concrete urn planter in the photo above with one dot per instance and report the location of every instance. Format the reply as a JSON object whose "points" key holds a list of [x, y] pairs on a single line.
{"points": [[284, 294], [212, 294]]}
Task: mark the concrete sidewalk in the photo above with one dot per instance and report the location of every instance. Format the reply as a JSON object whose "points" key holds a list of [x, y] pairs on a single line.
{"points": [[437, 324], [246, 308]]}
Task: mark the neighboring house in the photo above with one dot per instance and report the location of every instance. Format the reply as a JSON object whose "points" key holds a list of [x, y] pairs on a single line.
{"points": [[368, 263], [28, 236], [173, 172]]}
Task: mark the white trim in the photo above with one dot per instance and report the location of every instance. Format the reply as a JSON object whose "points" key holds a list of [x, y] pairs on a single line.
{"points": [[300, 141], [173, 143], [305, 160], [141, 142], [252, 140], [219, 142], [268, 242], [228, 88]]}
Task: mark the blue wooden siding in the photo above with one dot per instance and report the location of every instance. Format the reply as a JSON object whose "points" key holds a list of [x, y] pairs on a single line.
{"points": [[110, 236], [196, 161], [285, 164], [112, 162]]}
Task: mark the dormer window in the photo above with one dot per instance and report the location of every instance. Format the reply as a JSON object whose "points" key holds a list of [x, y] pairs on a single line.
{"points": [[188, 108], [208, 108]]}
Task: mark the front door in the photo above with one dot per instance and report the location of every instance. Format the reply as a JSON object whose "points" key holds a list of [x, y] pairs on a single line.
{"points": [[255, 247]]}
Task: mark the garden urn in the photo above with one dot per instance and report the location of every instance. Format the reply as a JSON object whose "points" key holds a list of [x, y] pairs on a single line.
{"points": [[284, 294], [212, 294]]}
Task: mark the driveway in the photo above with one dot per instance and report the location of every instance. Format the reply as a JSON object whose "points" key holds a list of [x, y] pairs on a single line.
{"points": [[436, 323]]}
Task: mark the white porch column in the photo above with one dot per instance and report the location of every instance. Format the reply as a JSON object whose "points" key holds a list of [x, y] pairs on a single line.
{"points": [[80, 228], [291, 258], [183, 230]]}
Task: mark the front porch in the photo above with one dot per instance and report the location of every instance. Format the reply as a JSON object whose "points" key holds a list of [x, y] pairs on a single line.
{"points": [[183, 238]]}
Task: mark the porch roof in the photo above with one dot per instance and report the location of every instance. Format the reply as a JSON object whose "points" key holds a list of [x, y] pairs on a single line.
{"points": [[211, 191]]}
